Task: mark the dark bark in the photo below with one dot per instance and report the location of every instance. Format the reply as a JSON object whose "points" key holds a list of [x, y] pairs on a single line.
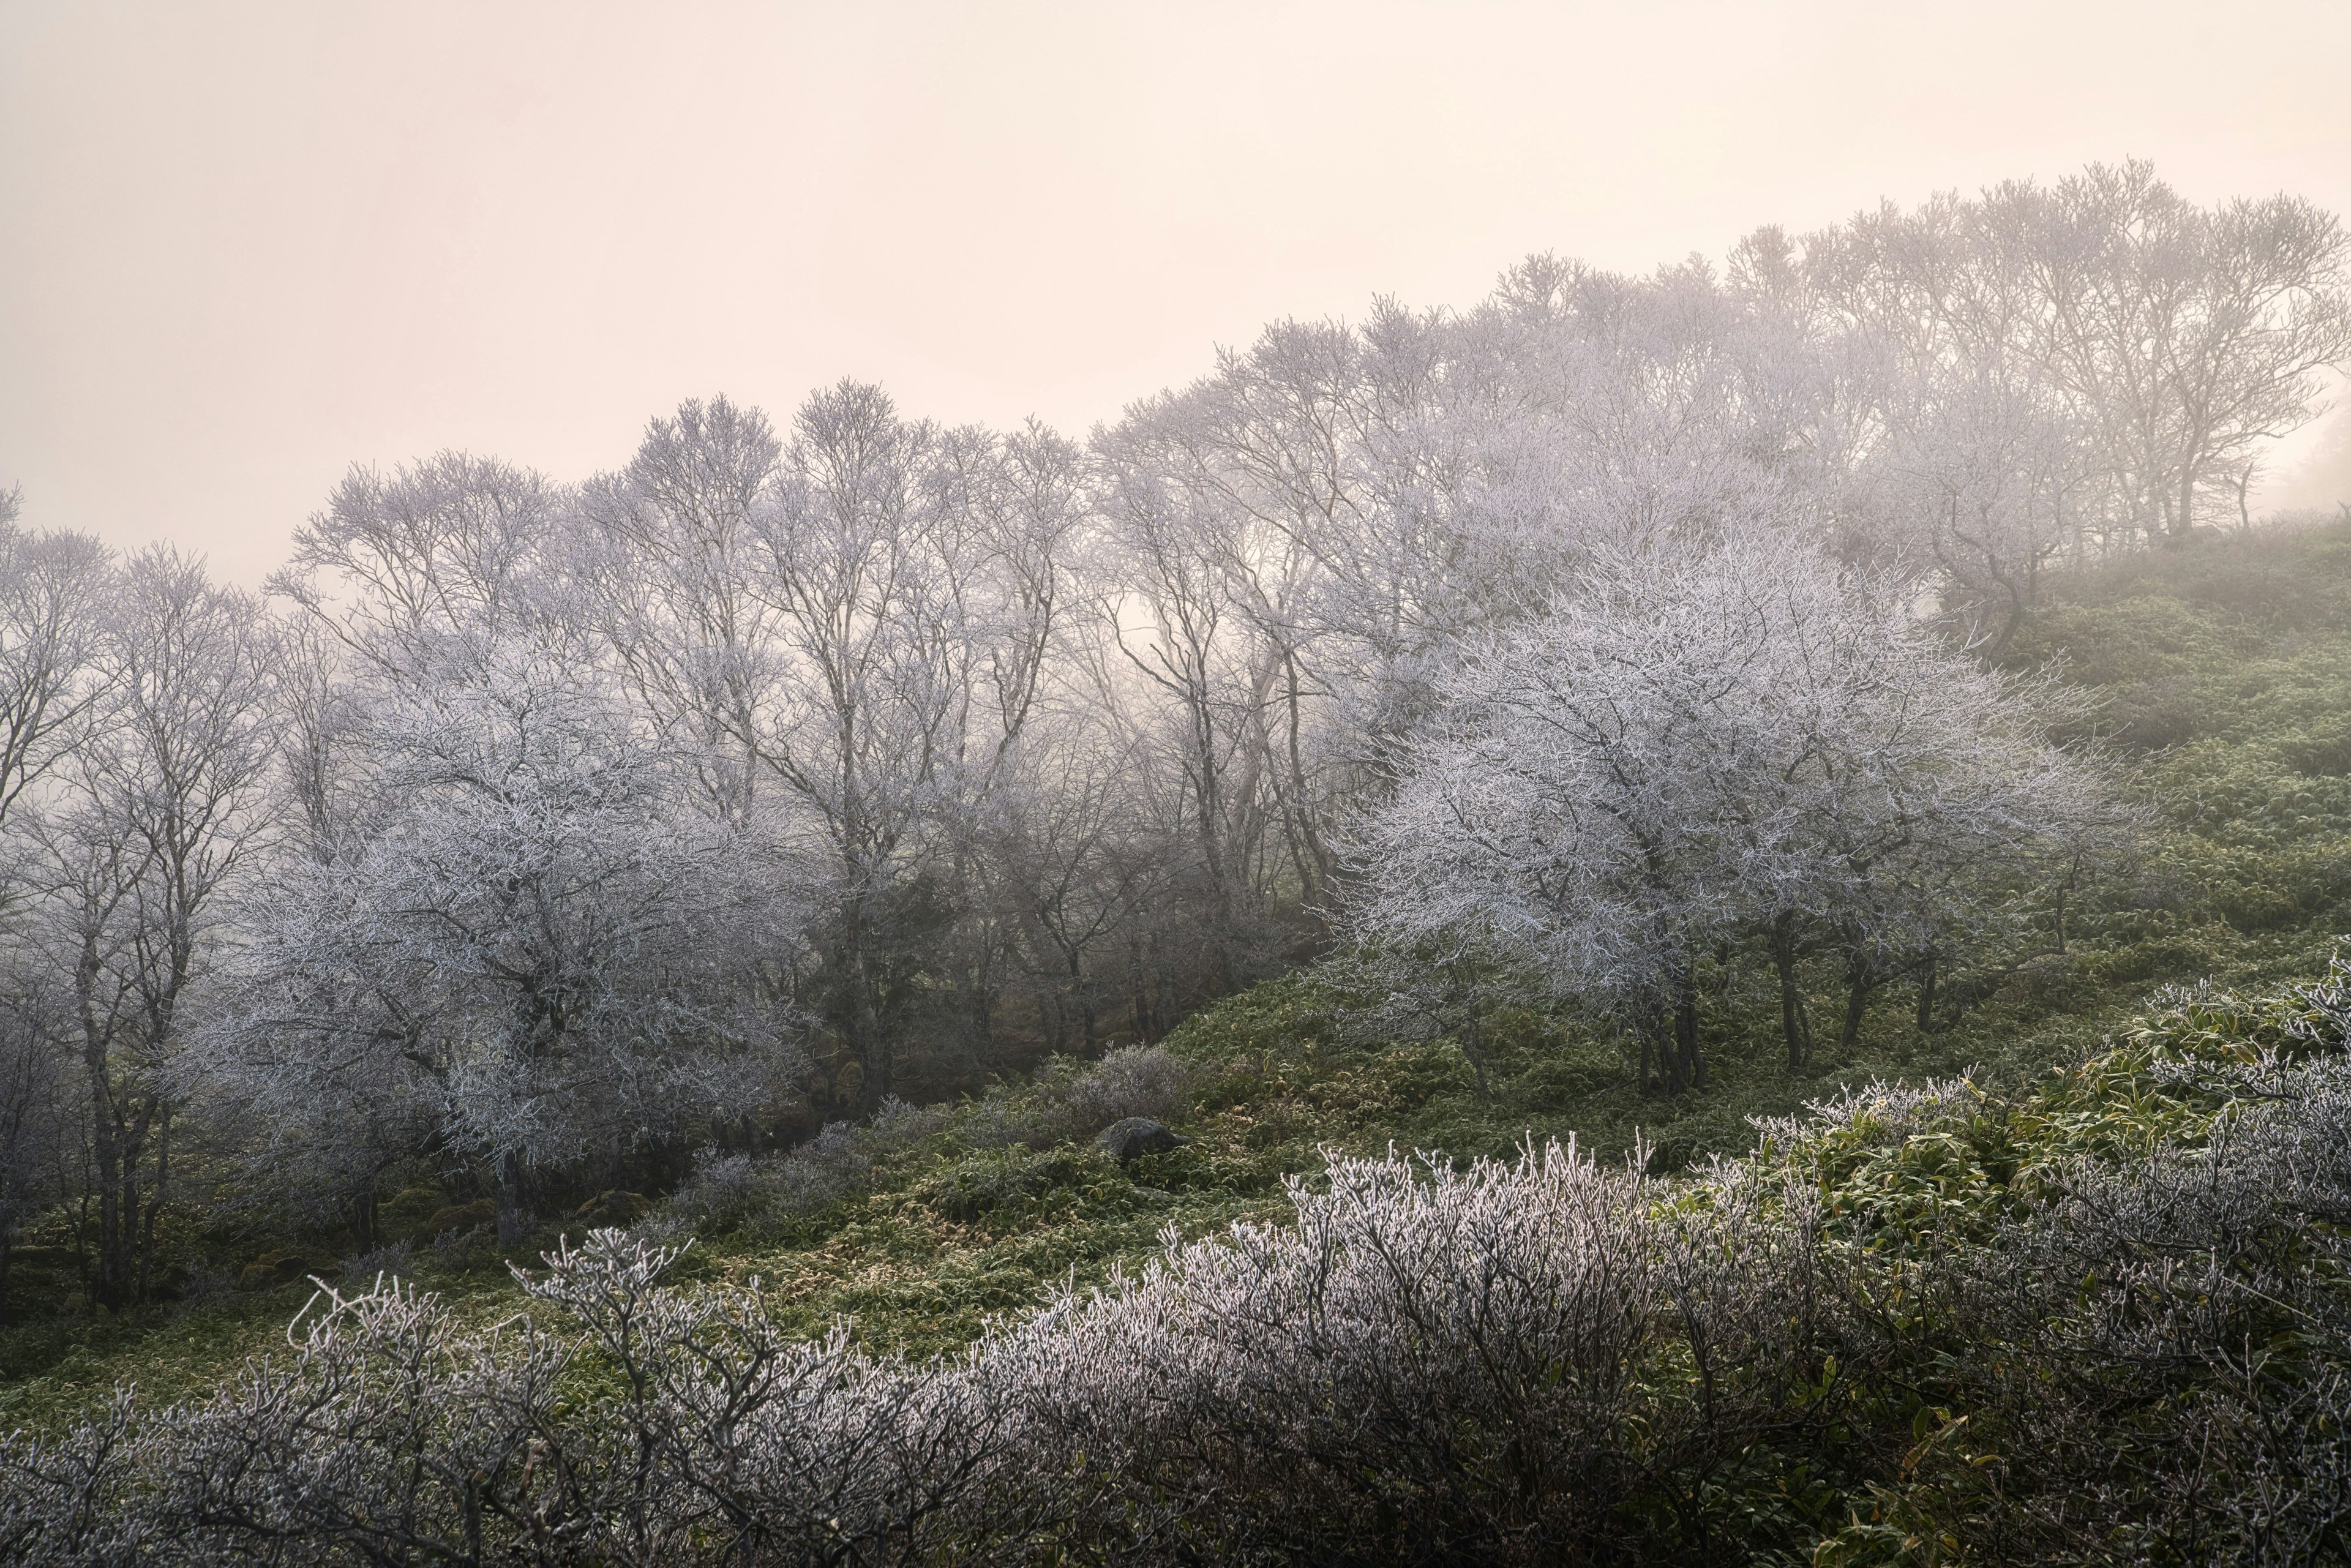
{"points": [[366, 1223], [1473, 1038], [1795, 1017], [507, 1194], [1691, 1063], [1861, 983], [1674, 1025]]}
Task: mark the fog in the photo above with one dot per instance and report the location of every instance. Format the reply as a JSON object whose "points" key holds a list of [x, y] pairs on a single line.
{"points": [[244, 246], [960, 656]]}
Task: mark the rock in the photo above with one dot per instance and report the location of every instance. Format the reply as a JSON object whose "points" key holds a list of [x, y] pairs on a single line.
{"points": [[1135, 1137]]}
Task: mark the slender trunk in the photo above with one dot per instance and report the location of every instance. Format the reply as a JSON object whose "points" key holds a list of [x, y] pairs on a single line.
{"points": [[364, 1225], [1689, 1065], [1082, 996], [1926, 995], [115, 1151], [1206, 793], [1674, 1023], [508, 1198], [1140, 1007], [1860, 979], [155, 1200], [869, 1043], [1795, 1019], [1314, 839], [1473, 1039]]}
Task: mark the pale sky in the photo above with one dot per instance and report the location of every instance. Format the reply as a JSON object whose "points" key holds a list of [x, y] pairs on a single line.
{"points": [[244, 246]]}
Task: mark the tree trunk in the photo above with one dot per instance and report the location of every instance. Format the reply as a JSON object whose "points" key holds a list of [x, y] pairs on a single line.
{"points": [[155, 1200], [1473, 1040], [1927, 996], [1677, 1030], [2186, 519], [508, 1198], [1795, 1019], [1861, 980], [365, 1228], [115, 1150], [869, 1044], [1691, 1063]]}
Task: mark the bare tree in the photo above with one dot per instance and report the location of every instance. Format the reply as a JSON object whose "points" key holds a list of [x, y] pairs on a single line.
{"points": [[672, 587], [2181, 338], [160, 814]]}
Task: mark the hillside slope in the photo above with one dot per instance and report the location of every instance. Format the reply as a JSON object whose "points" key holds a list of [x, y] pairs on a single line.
{"points": [[2226, 673]]}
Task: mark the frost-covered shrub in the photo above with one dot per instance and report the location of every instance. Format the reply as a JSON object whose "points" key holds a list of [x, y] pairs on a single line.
{"points": [[2162, 1349], [1431, 1364], [1132, 1081], [631, 1423], [391, 1258], [1075, 1102], [2108, 1318], [731, 1191]]}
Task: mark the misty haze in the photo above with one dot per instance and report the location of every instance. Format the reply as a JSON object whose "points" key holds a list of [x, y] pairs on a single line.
{"points": [[1087, 785]]}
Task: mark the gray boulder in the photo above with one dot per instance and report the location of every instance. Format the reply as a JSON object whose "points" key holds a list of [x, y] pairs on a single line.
{"points": [[1135, 1137]]}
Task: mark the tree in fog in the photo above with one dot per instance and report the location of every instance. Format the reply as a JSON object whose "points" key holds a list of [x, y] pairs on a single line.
{"points": [[2180, 337], [529, 954], [1579, 806], [1073, 873], [158, 813], [2198, 333], [1699, 753], [903, 582], [53, 589], [668, 571]]}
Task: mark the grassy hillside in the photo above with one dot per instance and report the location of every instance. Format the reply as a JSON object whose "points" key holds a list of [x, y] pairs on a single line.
{"points": [[2225, 671]]}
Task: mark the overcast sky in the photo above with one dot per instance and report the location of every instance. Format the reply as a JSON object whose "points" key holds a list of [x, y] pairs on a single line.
{"points": [[244, 246]]}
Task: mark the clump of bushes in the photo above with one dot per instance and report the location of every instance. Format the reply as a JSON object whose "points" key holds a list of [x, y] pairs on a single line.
{"points": [[1069, 1102], [2107, 1317], [728, 1192]]}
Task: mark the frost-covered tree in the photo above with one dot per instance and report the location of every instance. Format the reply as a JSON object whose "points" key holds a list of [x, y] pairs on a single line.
{"points": [[528, 952], [53, 587], [2176, 339], [53, 684], [158, 813], [1698, 752]]}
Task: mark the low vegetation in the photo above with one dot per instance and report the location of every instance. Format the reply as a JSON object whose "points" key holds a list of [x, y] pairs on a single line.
{"points": [[2103, 1314]]}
